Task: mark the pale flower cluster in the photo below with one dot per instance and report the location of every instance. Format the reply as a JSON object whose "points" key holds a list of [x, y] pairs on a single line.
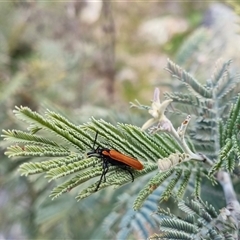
{"points": [[157, 112]]}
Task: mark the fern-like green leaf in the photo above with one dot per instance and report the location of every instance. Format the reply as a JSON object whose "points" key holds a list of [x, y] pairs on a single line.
{"points": [[75, 181], [198, 180], [183, 185], [33, 150], [202, 222], [127, 139], [65, 170], [174, 235], [150, 187], [189, 207], [185, 77], [31, 117], [18, 136], [179, 225], [169, 189]]}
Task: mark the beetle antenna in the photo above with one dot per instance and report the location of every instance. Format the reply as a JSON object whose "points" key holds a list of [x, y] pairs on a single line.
{"points": [[95, 140]]}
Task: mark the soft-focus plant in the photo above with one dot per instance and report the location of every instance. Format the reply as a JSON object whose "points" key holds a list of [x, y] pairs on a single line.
{"points": [[177, 161]]}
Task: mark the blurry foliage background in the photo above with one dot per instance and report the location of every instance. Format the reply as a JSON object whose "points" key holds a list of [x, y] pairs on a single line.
{"points": [[86, 59]]}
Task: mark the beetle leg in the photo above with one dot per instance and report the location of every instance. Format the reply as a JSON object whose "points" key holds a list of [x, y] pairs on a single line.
{"points": [[104, 172], [130, 174], [100, 181], [125, 168], [105, 168]]}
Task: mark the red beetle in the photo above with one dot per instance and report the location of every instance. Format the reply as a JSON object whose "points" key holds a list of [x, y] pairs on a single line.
{"points": [[115, 158]]}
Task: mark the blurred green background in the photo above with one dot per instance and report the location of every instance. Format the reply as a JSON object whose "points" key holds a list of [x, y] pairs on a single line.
{"points": [[84, 59]]}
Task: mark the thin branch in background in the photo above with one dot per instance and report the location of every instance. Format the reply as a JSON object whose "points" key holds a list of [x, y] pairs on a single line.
{"points": [[108, 50], [232, 209]]}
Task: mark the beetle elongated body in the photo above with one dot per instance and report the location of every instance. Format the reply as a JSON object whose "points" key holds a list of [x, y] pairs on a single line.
{"points": [[115, 158]]}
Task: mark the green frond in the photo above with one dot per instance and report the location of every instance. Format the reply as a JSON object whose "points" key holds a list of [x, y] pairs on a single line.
{"points": [[205, 147], [178, 225], [233, 120], [190, 219], [236, 146], [226, 157], [183, 98], [221, 133], [31, 117], [193, 207], [184, 183], [206, 216], [170, 186], [218, 75], [227, 91], [116, 178], [149, 147], [120, 178], [209, 176], [192, 103], [139, 105], [214, 235], [228, 140], [27, 115], [104, 128], [158, 179], [136, 222], [131, 140], [166, 213], [76, 134], [212, 134], [45, 166], [197, 186], [167, 143], [210, 209], [75, 181], [201, 222], [210, 103], [185, 77], [175, 235], [34, 129], [125, 138], [18, 136], [31, 168], [141, 223], [229, 162], [62, 120], [223, 83], [189, 207], [65, 170], [34, 150], [115, 136]]}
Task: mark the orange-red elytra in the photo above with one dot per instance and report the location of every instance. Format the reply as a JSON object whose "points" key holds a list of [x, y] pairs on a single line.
{"points": [[115, 158]]}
